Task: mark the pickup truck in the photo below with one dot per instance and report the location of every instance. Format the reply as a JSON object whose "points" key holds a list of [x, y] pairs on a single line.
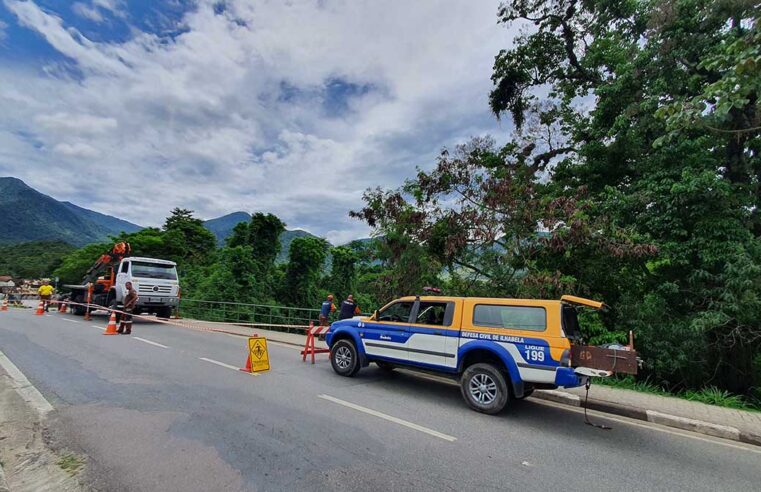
{"points": [[499, 349]]}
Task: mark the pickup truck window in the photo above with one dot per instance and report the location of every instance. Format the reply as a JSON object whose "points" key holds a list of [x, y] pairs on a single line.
{"points": [[511, 317], [398, 312], [431, 313], [125, 267]]}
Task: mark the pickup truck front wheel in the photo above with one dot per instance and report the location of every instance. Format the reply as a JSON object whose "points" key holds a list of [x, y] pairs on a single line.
{"points": [[344, 358], [484, 388]]}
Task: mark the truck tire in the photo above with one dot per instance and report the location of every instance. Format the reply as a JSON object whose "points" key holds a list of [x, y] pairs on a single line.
{"points": [[344, 358], [76, 309], [164, 312], [484, 388]]}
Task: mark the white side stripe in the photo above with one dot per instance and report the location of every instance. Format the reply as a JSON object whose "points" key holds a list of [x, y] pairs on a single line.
{"points": [[24, 388], [390, 418], [150, 342], [222, 364]]}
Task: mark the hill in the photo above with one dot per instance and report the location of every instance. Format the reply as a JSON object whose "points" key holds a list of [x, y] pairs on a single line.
{"points": [[32, 260], [28, 215]]}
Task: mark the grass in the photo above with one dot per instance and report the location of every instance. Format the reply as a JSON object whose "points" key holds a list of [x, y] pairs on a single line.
{"points": [[71, 463], [710, 395]]}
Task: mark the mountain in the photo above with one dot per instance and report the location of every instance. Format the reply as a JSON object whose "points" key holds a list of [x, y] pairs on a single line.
{"points": [[223, 226], [28, 215]]}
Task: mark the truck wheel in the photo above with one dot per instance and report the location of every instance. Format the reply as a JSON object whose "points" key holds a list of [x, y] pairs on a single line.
{"points": [[484, 388], [164, 312], [344, 358]]}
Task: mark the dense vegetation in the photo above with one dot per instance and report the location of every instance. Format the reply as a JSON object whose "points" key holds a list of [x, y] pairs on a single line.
{"points": [[640, 167], [32, 260]]}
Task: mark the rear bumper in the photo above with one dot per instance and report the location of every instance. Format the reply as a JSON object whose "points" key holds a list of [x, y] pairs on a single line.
{"points": [[567, 378]]}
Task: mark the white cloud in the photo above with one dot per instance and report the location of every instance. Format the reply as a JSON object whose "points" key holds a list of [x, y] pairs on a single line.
{"points": [[3, 27], [235, 113], [94, 11]]}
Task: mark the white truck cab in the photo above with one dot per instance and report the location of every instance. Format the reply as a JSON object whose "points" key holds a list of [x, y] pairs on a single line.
{"points": [[155, 282]]}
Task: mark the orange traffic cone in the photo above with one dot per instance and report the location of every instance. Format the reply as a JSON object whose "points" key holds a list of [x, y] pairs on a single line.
{"points": [[248, 364], [111, 327], [4, 306], [40, 310], [62, 307]]}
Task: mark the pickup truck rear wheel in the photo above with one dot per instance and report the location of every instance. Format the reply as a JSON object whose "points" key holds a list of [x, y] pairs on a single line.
{"points": [[484, 388], [344, 358]]}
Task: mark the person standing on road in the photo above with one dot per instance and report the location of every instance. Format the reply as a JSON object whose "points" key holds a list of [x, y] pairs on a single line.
{"points": [[130, 299], [349, 308], [45, 291], [327, 308]]}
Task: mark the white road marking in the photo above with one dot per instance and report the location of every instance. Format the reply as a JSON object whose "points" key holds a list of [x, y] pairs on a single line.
{"points": [[219, 363], [150, 342], [390, 418], [70, 320], [651, 426], [98, 327], [24, 388]]}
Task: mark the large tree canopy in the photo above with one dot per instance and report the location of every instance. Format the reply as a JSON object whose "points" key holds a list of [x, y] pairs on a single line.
{"points": [[632, 175]]}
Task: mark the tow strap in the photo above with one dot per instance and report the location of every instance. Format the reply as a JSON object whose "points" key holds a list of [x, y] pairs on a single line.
{"points": [[586, 417]]}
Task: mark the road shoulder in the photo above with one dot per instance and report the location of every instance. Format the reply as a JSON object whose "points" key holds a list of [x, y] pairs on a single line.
{"points": [[27, 463]]}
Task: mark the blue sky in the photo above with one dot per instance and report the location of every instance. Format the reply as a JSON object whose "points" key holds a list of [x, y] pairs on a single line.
{"points": [[291, 107]]}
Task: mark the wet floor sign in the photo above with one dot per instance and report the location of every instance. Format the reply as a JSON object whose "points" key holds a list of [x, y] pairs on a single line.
{"points": [[258, 355]]}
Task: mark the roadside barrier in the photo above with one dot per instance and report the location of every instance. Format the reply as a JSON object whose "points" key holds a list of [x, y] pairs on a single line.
{"points": [[111, 326], [40, 309], [309, 347], [4, 306]]}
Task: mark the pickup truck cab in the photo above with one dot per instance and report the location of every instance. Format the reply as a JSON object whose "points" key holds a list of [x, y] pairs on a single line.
{"points": [[498, 348]]}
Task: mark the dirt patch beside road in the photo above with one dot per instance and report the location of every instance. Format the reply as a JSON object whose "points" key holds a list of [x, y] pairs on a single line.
{"points": [[26, 459]]}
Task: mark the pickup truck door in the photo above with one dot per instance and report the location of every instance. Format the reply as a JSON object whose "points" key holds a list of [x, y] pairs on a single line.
{"points": [[387, 335], [433, 340]]}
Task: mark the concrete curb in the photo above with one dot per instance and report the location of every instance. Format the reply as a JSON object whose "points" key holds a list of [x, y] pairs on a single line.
{"points": [[653, 416]]}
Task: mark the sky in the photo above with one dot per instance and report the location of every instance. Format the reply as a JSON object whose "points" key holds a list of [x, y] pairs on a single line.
{"points": [[132, 108]]}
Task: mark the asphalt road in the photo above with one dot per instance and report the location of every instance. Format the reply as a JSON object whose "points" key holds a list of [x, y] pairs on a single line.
{"points": [[159, 417]]}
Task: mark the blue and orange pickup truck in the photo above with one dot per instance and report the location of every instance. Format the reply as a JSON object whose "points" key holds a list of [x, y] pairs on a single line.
{"points": [[500, 349]]}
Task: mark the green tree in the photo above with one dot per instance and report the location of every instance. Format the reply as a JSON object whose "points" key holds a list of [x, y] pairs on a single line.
{"points": [[653, 110], [301, 286], [33, 259], [264, 238], [342, 280], [186, 239], [75, 264], [239, 235]]}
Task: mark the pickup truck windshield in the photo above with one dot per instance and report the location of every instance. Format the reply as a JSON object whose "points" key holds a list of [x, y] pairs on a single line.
{"points": [[153, 270]]}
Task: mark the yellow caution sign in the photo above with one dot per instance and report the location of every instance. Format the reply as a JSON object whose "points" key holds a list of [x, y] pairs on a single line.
{"points": [[258, 355]]}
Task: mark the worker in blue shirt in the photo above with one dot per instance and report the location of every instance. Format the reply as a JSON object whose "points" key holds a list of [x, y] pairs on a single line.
{"points": [[327, 308]]}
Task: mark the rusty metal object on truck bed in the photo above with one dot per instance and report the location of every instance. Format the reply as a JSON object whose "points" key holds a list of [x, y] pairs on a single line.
{"points": [[606, 359]]}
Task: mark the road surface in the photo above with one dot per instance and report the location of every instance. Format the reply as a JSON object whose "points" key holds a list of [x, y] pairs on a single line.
{"points": [[167, 409]]}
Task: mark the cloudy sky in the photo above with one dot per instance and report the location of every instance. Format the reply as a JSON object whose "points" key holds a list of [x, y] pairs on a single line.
{"points": [[133, 107]]}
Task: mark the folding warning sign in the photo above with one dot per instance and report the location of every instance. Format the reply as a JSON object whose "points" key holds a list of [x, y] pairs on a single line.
{"points": [[258, 355]]}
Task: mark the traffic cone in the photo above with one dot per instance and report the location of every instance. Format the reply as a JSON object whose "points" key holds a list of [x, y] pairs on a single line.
{"points": [[111, 327], [62, 307], [40, 309], [248, 364], [4, 306]]}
